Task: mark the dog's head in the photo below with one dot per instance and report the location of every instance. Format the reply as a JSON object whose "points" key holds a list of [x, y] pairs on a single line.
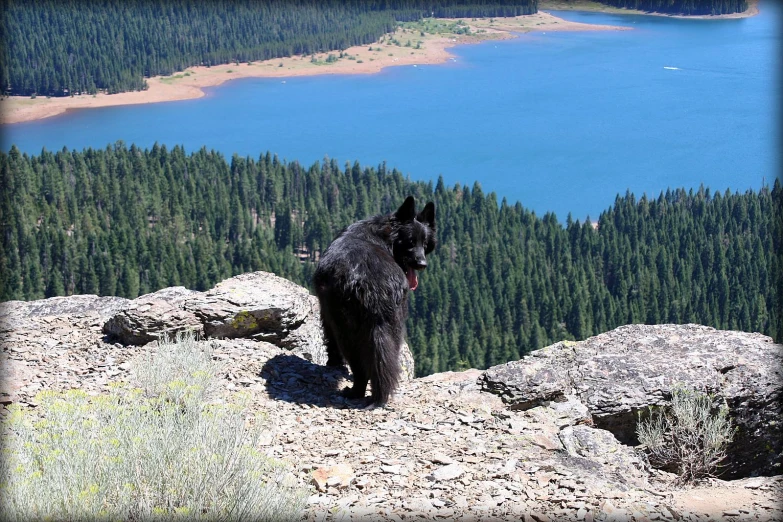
{"points": [[414, 238]]}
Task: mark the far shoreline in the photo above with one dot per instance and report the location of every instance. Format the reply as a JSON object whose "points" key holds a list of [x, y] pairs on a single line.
{"points": [[592, 6], [367, 59], [371, 59]]}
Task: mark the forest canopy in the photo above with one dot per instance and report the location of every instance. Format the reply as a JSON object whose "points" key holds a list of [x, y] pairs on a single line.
{"points": [[56, 48], [127, 221], [683, 7]]}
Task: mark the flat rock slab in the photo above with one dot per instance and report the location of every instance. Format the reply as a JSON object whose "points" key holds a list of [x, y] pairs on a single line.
{"points": [[448, 472], [154, 317], [621, 372], [340, 475], [17, 314]]}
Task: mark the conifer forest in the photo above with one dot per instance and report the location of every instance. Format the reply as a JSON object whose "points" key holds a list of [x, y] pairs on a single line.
{"points": [[502, 282]]}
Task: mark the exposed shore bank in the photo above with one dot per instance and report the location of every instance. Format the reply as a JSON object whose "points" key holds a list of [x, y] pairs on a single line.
{"points": [[390, 50]]}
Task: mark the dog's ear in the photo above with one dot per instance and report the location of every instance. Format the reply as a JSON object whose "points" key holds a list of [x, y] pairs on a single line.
{"points": [[427, 216], [407, 211]]}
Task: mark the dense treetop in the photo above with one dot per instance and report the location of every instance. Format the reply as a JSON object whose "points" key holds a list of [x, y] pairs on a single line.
{"points": [[503, 281], [684, 7], [56, 48]]}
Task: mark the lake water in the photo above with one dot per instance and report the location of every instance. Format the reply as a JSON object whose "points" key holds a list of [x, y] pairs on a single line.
{"points": [[561, 122]]}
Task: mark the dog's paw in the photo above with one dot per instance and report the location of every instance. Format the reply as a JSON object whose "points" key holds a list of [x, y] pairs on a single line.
{"points": [[353, 393], [335, 363], [372, 405]]}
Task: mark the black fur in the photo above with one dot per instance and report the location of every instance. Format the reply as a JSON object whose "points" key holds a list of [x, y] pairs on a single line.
{"points": [[362, 283]]}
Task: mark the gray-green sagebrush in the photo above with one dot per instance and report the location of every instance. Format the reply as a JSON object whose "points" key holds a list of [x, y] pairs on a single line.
{"points": [[162, 451], [691, 436]]}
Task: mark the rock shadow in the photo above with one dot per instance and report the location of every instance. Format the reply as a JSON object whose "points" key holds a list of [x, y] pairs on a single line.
{"points": [[293, 379]]}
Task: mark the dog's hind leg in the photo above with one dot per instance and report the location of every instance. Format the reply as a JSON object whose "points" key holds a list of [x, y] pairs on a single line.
{"points": [[385, 373], [360, 380], [356, 343], [334, 357]]}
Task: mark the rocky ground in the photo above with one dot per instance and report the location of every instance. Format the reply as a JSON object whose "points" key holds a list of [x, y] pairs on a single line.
{"points": [[442, 449]]}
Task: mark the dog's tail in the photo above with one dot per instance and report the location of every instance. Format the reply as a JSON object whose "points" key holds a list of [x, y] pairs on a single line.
{"points": [[385, 374]]}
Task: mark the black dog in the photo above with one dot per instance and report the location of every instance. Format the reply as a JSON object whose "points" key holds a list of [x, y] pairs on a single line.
{"points": [[362, 283]]}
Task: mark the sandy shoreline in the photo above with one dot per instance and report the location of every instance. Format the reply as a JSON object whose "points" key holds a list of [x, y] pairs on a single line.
{"points": [[189, 84]]}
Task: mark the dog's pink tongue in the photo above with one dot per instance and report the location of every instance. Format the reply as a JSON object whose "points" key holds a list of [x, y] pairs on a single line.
{"points": [[413, 281]]}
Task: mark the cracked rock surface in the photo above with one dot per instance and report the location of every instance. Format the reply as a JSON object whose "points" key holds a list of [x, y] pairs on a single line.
{"points": [[154, 317], [618, 373]]}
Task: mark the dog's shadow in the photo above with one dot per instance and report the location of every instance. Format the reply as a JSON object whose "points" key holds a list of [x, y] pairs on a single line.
{"points": [[294, 379]]}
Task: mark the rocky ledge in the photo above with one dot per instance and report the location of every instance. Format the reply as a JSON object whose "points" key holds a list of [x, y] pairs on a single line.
{"points": [[619, 373], [544, 438]]}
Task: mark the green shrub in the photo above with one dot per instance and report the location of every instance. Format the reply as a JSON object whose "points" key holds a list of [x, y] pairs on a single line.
{"points": [[155, 452], [690, 437]]}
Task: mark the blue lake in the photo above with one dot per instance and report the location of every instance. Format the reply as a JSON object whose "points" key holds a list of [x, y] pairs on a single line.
{"points": [[561, 122]]}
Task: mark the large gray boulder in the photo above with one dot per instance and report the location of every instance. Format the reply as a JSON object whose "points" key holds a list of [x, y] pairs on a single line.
{"points": [[255, 305], [619, 373], [153, 317]]}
